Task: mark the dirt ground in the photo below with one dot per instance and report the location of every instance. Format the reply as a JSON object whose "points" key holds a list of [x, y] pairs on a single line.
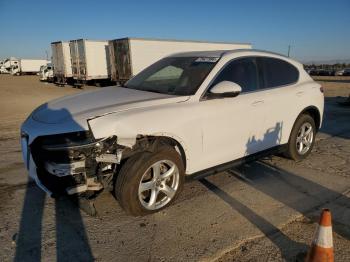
{"points": [[263, 211]]}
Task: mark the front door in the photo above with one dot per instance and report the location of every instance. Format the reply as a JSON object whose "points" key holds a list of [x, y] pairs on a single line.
{"points": [[232, 127]]}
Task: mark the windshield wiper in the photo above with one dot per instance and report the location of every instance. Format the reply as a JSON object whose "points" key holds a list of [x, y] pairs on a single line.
{"points": [[153, 91], [140, 88]]}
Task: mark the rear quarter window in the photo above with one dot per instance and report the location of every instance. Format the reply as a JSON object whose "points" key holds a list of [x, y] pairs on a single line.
{"points": [[277, 72]]}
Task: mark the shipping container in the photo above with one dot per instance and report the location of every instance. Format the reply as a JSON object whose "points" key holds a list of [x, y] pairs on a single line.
{"points": [[89, 60], [129, 56], [29, 66], [61, 61]]}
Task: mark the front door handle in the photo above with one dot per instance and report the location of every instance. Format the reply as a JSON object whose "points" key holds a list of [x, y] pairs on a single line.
{"points": [[257, 103], [300, 93]]}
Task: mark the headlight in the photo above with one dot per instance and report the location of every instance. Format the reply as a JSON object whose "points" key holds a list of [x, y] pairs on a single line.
{"points": [[68, 140], [77, 140]]}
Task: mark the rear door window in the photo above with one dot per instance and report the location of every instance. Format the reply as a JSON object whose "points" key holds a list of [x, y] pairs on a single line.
{"points": [[276, 72], [241, 71]]}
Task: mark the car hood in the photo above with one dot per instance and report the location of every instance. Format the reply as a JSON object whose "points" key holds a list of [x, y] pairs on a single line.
{"points": [[92, 104]]}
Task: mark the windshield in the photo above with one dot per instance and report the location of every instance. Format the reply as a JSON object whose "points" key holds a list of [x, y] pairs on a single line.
{"points": [[174, 75]]}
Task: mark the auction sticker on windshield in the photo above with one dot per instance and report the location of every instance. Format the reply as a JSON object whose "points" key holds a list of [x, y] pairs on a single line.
{"points": [[207, 59]]}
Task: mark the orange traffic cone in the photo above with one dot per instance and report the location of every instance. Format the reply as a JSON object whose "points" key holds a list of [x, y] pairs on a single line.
{"points": [[322, 245]]}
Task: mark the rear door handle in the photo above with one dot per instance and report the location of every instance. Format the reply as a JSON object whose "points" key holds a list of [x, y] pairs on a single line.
{"points": [[257, 103], [300, 93]]}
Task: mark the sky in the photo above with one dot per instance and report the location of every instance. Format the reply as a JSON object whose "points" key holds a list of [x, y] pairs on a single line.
{"points": [[315, 30]]}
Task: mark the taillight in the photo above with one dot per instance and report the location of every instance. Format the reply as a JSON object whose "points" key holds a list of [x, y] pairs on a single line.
{"points": [[321, 89]]}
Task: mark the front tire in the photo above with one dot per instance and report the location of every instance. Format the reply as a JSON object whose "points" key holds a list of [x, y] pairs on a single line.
{"points": [[150, 181], [302, 138]]}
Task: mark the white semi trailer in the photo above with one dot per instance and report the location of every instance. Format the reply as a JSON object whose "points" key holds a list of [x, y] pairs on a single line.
{"points": [[61, 61], [89, 61], [29, 66], [129, 56]]}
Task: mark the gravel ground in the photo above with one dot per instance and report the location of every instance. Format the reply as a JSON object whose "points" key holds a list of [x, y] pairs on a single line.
{"points": [[298, 232], [263, 211]]}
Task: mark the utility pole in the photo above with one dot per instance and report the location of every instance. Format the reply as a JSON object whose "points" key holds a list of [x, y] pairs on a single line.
{"points": [[47, 55], [289, 49]]}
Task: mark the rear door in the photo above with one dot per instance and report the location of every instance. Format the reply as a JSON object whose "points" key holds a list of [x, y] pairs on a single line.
{"points": [[82, 72], [73, 45], [112, 59], [280, 96], [122, 59]]}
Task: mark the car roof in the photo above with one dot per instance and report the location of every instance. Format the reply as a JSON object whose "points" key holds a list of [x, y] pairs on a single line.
{"points": [[221, 53], [214, 53], [244, 52]]}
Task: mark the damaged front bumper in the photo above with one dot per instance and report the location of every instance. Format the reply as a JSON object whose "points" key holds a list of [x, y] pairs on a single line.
{"points": [[70, 163]]}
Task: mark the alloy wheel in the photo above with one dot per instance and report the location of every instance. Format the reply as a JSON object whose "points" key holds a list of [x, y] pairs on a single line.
{"points": [[304, 138], [159, 184]]}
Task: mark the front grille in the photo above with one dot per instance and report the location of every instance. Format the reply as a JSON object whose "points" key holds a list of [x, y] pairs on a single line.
{"points": [[41, 156], [41, 153], [67, 139]]}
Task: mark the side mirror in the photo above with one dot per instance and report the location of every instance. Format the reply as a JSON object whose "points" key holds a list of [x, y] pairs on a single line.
{"points": [[225, 89]]}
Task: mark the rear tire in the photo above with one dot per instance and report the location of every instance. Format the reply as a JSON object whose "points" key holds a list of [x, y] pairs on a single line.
{"points": [[302, 138], [145, 186]]}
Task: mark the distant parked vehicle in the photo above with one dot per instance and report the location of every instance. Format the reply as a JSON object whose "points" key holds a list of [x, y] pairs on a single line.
{"points": [[8, 65], [321, 72], [129, 56], [90, 61], [313, 72], [324, 72], [332, 72], [28, 66], [344, 72], [46, 73], [2, 68], [340, 72], [61, 61]]}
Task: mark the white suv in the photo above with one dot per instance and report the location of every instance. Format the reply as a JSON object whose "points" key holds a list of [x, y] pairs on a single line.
{"points": [[189, 114]]}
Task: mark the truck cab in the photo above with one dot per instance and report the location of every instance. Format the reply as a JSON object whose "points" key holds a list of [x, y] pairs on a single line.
{"points": [[46, 73]]}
